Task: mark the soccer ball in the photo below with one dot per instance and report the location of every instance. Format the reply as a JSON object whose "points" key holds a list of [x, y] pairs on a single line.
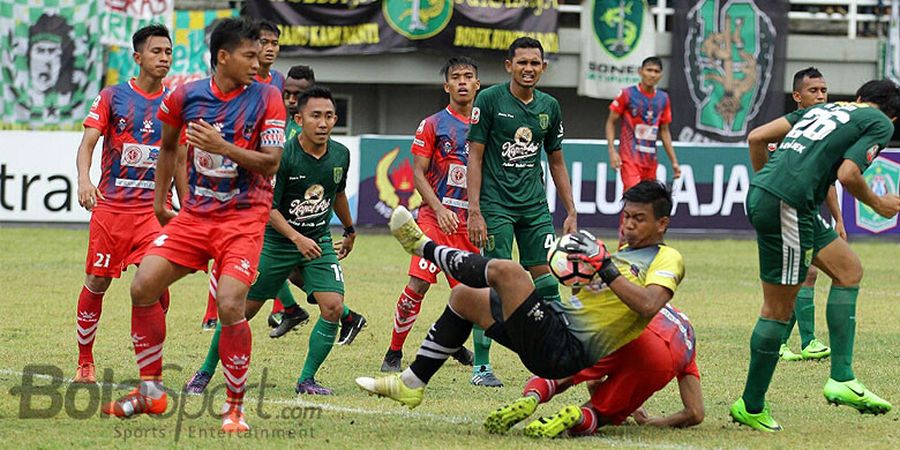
{"points": [[568, 272]]}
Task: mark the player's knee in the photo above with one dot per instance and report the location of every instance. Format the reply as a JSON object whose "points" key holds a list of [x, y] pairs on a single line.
{"points": [[852, 275], [811, 277], [141, 292], [331, 310], [505, 272], [230, 312], [418, 285], [97, 284]]}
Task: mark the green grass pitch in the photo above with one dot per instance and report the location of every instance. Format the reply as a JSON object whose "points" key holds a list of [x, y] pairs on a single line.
{"points": [[42, 272]]}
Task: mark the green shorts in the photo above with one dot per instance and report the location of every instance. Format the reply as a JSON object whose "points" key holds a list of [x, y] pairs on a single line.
{"points": [[787, 239], [277, 260], [533, 231]]}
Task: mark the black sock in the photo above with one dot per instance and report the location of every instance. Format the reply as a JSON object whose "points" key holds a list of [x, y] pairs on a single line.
{"points": [[446, 336], [466, 267]]}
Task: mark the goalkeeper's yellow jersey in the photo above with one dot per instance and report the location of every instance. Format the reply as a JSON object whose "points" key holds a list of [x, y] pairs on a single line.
{"points": [[600, 320]]}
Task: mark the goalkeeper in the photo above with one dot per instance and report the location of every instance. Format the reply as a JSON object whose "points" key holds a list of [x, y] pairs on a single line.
{"points": [[553, 340]]}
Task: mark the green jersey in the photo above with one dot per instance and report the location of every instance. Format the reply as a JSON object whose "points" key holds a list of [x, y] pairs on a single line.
{"points": [[305, 188], [805, 164], [513, 134], [292, 130]]}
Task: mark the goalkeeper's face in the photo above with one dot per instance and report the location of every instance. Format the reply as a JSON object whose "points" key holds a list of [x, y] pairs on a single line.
{"points": [[641, 227]]}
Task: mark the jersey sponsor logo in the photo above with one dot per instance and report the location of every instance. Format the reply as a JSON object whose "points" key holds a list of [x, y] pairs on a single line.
{"points": [[418, 142], [456, 176], [462, 204], [668, 313], [213, 165], [220, 196], [418, 19], [143, 184], [506, 115], [395, 184], [618, 25], [476, 115], [313, 205], [521, 148], [139, 155], [645, 132], [274, 123], [730, 64]]}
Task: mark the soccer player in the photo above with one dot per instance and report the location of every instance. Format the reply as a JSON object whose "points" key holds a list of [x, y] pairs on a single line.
{"points": [[646, 113], [122, 221], [439, 154], [821, 144], [299, 80], [619, 384], [511, 124], [234, 130], [553, 339], [809, 90], [269, 49]]}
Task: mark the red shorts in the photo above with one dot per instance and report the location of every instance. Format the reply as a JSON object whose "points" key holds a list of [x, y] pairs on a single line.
{"points": [[629, 376], [233, 241], [633, 172], [118, 240], [426, 270]]}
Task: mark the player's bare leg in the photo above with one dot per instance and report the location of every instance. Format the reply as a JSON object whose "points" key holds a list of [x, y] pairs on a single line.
{"points": [[843, 266]]}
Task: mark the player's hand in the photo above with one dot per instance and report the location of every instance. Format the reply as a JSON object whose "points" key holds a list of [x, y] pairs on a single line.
{"points": [[477, 229], [887, 206], [345, 246], [640, 416], [202, 135], [676, 170], [307, 247], [570, 225], [88, 195], [588, 249], [839, 228], [614, 160], [447, 220], [164, 215]]}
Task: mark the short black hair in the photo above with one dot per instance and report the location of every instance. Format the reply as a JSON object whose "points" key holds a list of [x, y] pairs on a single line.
{"points": [[884, 93], [524, 42], [229, 34], [268, 25], [652, 60], [458, 61], [141, 36], [302, 73], [652, 192], [809, 72], [315, 92]]}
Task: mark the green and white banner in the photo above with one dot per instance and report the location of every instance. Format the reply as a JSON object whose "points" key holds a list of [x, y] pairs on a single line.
{"points": [[616, 35], [51, 60], [121, 18]]}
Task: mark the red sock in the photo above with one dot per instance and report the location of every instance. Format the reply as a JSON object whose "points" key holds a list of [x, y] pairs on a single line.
{"points": [[277, 307], [164, 301], [87, 317], [543, 387], [148, 333], [408, 306], [212, 311], [588, 425], [235, 345]]}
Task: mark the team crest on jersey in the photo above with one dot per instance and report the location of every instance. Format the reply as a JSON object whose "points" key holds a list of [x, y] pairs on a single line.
{"points": [[247, 132], [338, 174], [132, 155], [544, 120], [521, 148], [476, 115]]}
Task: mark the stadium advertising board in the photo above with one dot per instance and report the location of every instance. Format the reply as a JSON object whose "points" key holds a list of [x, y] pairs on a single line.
{"points": [[311, 27], [40, 184], [728, 62]]}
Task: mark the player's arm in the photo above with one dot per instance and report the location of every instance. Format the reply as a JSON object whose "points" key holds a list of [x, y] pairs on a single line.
{"points": [[851, 178], [87, 192], [616, 108], [182, 189], [692, 413], [759, 139], [165, 170], [831, 202], [342, 211], [665, 135], [560, 175], [646, 301], [477, 227], [202, 135]]}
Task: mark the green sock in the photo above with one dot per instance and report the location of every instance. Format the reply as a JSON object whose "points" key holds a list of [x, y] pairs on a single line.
{"points": [[345, 313], [285, 295], [764, 346], [320, 342], [841, 315], [805, 312], [547, 287], [212, 355], [790, 329], [481, 345]]}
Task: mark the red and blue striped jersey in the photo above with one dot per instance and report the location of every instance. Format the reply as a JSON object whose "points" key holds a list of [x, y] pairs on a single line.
{"points": [[674, 327], [249, 117], [274, 78], [642, 114], [442, 138], [126, 116]]}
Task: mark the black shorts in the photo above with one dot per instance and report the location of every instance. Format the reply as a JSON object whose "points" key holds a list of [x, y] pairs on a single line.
{"points": [[538, 332]]}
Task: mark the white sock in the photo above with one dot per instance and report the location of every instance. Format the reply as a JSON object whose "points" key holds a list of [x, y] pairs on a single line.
{"points": [[152, 389], [411, 380]]}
